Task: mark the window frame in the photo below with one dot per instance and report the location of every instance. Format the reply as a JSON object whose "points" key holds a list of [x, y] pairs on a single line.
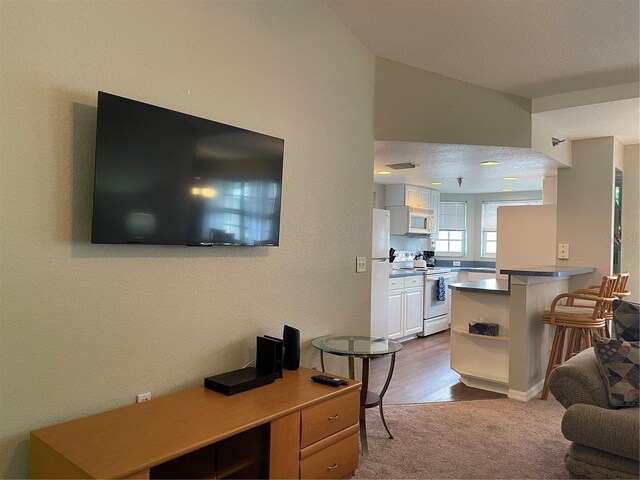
{"points": [[464, 231]]}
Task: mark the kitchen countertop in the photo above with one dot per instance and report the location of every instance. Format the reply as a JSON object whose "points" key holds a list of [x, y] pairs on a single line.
{"points": [[548, 271], [502, 286], [404, 272], [473, 269], [490, 285]]}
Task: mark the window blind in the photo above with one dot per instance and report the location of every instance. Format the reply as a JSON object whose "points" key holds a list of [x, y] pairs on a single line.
{"points": [[453, 216]]}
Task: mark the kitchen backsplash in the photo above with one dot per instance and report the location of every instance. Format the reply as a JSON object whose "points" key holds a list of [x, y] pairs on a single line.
{"points": [[442, 262], [410, 244], [404, 243]]}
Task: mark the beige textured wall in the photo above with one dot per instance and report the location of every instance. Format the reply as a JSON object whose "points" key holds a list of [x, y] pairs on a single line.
{"points": [[585, 208], [419, 106], [542, 140], [631, 219], [87, 327], [526, 237]]}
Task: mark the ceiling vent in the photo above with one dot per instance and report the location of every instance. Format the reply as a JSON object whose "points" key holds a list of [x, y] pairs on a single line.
{"points": [[403, 166]]}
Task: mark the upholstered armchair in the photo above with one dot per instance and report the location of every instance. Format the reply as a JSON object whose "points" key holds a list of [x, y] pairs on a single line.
{"points": [[602, 419]]}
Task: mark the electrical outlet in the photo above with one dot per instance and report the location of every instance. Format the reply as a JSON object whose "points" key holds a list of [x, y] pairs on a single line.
{"points": [[563, 251], [361, 264], [143, 397], [456, 263]]}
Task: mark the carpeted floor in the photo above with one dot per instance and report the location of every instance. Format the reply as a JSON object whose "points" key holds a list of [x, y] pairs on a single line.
{"points": [[480, 439]]}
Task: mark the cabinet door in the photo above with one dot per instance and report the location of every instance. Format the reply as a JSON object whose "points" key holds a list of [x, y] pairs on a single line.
{"points": [[435, 206], [413, 311], [395, 313], [425, 198], [413, 197]]}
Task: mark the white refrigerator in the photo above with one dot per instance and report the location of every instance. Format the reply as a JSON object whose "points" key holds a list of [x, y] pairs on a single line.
{"points": [[380, 274]]}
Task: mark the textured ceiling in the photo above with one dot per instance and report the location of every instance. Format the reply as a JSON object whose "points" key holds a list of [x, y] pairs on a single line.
{"points": [[445, 163], [619, 119], [531, 48]]}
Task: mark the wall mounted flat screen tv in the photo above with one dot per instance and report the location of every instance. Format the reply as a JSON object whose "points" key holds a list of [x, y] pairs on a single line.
{"points": [[167, 178]]}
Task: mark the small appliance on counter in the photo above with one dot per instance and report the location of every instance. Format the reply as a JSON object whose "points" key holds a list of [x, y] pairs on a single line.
{"points": [[430, 258], [419, 261]]}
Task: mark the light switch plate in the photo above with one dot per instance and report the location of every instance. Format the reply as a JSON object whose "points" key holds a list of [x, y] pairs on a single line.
{"points": [[563, 251], [361, 264]]}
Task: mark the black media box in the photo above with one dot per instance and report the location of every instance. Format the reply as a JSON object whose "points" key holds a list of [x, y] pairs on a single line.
{"points": [[238, 381], [269, 355]]}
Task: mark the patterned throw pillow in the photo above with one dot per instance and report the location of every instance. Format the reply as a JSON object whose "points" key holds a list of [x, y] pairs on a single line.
{"points": [[626, 320], [619, 366]]}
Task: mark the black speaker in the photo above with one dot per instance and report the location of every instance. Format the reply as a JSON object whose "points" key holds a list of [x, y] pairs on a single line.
{"points": [[267, 356], [278, 354], [291, 343]]}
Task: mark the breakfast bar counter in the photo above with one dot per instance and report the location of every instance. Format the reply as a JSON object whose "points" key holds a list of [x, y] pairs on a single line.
{"points": [[491, 285], [548, 271], [514, 361]]}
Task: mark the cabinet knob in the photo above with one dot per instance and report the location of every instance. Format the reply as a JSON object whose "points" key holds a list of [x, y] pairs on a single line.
{"points": [[332, 467], [333, 418]]}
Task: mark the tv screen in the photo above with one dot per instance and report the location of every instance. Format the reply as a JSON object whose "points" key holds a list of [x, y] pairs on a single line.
{"points": [[168, 178]]}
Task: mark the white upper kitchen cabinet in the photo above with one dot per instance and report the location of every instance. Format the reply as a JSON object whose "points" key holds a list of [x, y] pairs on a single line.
{"points": [[408, 196]]}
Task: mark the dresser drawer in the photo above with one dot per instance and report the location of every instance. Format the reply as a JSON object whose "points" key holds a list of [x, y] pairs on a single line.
{"points": [[329, 417], [336, 461]]}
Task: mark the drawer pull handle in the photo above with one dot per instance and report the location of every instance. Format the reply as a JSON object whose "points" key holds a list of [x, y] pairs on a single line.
{"points": [[332, 467], [333, 418]]}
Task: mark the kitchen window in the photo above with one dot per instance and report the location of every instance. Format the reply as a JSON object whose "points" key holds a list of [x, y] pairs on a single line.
{"points": [[452, 234], [490, 223]]}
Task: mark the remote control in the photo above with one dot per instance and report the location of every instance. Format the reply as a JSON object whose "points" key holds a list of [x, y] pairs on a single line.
{"points": [[334, 382]]}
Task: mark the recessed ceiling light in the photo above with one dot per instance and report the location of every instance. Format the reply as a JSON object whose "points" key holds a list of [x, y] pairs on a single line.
{"points": [[383, 172], [489, 163], [511, 178], [436, 183], [507, 189]]}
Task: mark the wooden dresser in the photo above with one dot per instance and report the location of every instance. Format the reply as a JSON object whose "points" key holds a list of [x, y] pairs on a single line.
{"points": [[293, 428]]}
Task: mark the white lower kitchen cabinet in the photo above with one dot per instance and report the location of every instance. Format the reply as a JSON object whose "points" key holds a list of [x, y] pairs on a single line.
{"points": [[405, 306]]}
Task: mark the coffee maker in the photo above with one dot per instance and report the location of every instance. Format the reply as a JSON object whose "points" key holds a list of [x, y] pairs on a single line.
{"points": [[430, 258]]}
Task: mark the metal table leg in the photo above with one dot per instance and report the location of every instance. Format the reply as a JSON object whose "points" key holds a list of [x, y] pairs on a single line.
{"points": [[352, 374], [363, 406], [384, 390]]}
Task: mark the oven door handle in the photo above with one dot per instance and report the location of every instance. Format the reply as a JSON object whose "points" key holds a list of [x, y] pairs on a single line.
{"points": [[433, 278]]}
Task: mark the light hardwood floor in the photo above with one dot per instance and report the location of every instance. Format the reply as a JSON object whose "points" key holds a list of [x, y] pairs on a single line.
{"points": [[422, 374]]}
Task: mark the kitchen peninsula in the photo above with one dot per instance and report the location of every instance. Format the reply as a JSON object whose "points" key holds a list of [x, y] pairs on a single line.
{"points": [[514, 361]]}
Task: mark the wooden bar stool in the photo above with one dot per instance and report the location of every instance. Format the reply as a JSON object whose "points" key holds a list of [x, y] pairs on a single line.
{"points": [[619, 291], [581, 319]]}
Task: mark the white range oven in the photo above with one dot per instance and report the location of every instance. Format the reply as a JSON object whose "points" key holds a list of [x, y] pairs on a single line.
{"points": [[437, 301]]}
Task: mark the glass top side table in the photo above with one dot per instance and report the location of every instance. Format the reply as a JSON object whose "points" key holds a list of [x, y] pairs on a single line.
{"points": [[366, 348]]}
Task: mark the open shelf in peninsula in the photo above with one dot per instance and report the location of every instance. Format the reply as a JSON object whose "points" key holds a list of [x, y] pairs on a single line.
{"points": [[482, 361], [513, 362], [500, 338]]}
